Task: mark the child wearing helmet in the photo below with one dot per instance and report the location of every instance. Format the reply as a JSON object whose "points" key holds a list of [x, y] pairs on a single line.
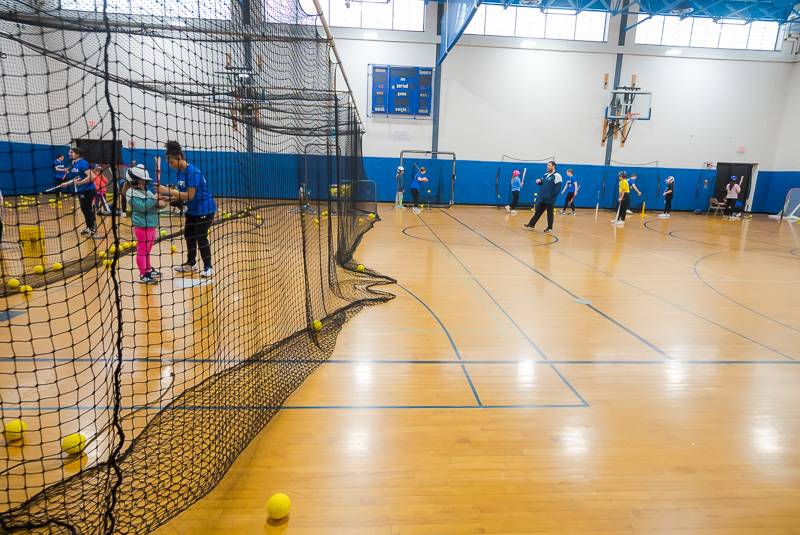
{"points": [[668, 193], [516, 186], [144, 207], [398, 197], [732, 191]]}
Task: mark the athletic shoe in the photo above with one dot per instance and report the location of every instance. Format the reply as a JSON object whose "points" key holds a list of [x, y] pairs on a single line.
{"points": [[548, 230], [93, 234], [86, 231], [147, 279], [513, 212], [629, 211], [613, 221], [562, 212], [574, 212], [527, 227], [154, 273], [186, 268], [619, 223], [207, 272], [508, 208]]}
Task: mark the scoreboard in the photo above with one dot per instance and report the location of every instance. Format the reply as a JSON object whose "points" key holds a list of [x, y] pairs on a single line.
{"points": [[403, 91]]}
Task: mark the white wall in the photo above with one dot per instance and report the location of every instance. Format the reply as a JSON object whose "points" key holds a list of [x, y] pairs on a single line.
{"points": [[787, 152], [386, 137], [523, 103], [704, 110], [498, 98]]}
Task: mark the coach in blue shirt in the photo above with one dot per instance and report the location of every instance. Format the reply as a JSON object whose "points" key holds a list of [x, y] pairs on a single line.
{"points": [[80, 181], [550, 184], [200, 207]]}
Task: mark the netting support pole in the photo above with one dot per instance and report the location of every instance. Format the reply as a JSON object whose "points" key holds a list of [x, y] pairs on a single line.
{"points": [[332, 44], [247, 46]]}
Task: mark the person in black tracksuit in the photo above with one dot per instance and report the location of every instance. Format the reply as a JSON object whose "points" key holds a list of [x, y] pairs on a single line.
{"points": [[550, 184]]}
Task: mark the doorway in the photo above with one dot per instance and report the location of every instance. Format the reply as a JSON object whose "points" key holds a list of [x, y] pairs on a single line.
{"points": [[745, 175]]}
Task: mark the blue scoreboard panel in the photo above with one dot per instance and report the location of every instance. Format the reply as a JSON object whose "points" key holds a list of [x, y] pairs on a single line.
{"points": [[405, 91]]}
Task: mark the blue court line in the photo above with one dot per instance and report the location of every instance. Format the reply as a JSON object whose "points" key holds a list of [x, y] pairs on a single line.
{"points": [[732, 300], [7, 315], [566, 290], [503, 310], [18, 409], [450, 338]]}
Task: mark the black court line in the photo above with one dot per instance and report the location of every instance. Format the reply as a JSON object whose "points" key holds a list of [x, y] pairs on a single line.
{"points": [[662, 299], [459, 244], [504, 311], [570, 293], [674, 234], [731, 299], [450, 338]]}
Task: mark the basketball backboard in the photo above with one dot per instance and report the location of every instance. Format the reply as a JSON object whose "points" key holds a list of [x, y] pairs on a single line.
{"points": [[629, 104]]}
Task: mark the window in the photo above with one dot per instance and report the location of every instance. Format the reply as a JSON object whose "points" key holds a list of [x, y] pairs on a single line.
{"points": [[733, 34], [707, 33], [499, 21], [560, 24], [408, 15], [191, 9], [590, 26], [648, 32], [763, 36], [477, 26], [530, 23], [492, 19], [677, 31]]}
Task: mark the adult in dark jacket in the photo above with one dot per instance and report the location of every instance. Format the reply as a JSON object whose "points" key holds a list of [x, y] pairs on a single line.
{"points": [[550, 185]]}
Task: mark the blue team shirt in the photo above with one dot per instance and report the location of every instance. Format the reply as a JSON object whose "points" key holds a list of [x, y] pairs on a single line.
{"points": [[203, 202], [78, 170], [571, 185], [516, 184], [415, 183], [631, 183], [58, 170]]}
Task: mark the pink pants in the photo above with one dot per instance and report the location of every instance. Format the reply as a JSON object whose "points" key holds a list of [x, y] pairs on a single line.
{"points": [[145, 238]]}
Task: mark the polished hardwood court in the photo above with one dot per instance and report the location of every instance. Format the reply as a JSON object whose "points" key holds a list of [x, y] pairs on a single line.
{"points": [[594, 380]]}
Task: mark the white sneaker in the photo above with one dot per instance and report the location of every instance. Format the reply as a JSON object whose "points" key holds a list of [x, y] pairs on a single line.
{"points": [[620, 223], [207, 272], [662, 216], [513, 212], [574, 213], [185, 268], [629, 211], [508, 208], [613, 221]]}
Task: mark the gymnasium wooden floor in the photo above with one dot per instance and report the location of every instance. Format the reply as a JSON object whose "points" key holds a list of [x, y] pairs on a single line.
{"points": [[598, 380]]}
